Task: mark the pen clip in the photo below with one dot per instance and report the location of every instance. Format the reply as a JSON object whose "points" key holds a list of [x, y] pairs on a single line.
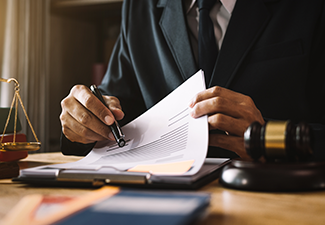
{"points": [[119, 130]]}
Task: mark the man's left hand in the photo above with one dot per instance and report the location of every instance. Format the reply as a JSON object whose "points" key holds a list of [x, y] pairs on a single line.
{"points": [[229, 111]]}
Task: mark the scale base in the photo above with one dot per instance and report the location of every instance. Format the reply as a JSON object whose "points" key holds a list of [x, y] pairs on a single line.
{"points": [[273, 177]]}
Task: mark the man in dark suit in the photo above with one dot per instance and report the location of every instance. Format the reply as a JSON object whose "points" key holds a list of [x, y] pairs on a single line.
{"points": [[270, 66]]}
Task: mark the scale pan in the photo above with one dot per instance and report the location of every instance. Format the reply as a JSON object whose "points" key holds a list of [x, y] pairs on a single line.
{"points": [[21, 146]]}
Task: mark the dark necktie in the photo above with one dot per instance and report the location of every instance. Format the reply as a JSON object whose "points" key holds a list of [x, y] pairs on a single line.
{"points": [[208, 49]]}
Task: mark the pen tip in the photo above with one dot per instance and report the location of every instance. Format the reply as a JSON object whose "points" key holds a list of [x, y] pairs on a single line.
{"points": [[121, 143]]}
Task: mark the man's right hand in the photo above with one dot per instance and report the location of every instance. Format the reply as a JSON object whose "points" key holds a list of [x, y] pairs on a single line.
{"points": [[85, 119]]}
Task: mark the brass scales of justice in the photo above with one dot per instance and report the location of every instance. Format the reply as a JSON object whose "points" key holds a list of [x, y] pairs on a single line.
{"points": [[17, 146]]}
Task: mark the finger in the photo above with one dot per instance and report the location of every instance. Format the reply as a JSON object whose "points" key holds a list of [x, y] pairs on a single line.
{"points": [[217, 92], [227, 123], [86, 98], [75, 132], [244, 109], [114, 105], [77, 118], [216, 105], [74, 137], [232, 143]]}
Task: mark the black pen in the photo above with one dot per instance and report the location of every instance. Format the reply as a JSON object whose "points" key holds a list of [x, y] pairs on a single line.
{"points": [[115, 128]]}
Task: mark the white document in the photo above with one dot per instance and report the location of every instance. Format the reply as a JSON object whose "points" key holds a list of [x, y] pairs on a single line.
{"points": [[166, 133]]}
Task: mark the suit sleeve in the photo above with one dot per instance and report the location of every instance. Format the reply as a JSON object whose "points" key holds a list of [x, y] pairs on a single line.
{"points": [[119, 81]]}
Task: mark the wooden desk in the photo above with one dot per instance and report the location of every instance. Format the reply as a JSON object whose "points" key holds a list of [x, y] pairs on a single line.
{"points": [[227, 206]]}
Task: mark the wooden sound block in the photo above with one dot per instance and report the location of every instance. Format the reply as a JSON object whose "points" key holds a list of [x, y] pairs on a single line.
{"points": [[275, 177], [9, 170]]}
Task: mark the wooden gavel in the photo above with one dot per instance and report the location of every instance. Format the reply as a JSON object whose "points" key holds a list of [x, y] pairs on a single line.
{"points": [[279, 140]]}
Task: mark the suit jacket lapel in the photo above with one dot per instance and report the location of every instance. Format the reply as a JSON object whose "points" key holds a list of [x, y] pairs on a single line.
{"points": [[246, 24], [174, 28]]}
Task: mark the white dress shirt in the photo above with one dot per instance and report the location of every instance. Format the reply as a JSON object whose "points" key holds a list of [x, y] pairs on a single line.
{"points": [[220, 15]]}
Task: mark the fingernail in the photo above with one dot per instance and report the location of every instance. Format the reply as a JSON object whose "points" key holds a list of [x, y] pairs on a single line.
{"points": [[108, 120]]}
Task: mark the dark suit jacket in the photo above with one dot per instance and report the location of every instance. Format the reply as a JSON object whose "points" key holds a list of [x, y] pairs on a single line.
{"points": [[273, 51]]}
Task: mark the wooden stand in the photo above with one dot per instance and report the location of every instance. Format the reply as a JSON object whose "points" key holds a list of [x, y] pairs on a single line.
{"points": [[275, 177]]}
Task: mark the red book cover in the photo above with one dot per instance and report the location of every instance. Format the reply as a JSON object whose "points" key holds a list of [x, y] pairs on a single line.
{"points": [[13, 155]]}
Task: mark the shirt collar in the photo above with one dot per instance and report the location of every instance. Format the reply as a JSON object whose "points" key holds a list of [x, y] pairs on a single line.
{"points": [[228, 4]]}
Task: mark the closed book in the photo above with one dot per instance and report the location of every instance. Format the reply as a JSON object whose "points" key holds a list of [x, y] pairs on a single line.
{"points": [[112, 205], [143, 207], [6, 156]]}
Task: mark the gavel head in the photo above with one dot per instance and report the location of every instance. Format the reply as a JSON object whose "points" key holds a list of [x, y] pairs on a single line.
{"points": [[279, 140]]}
